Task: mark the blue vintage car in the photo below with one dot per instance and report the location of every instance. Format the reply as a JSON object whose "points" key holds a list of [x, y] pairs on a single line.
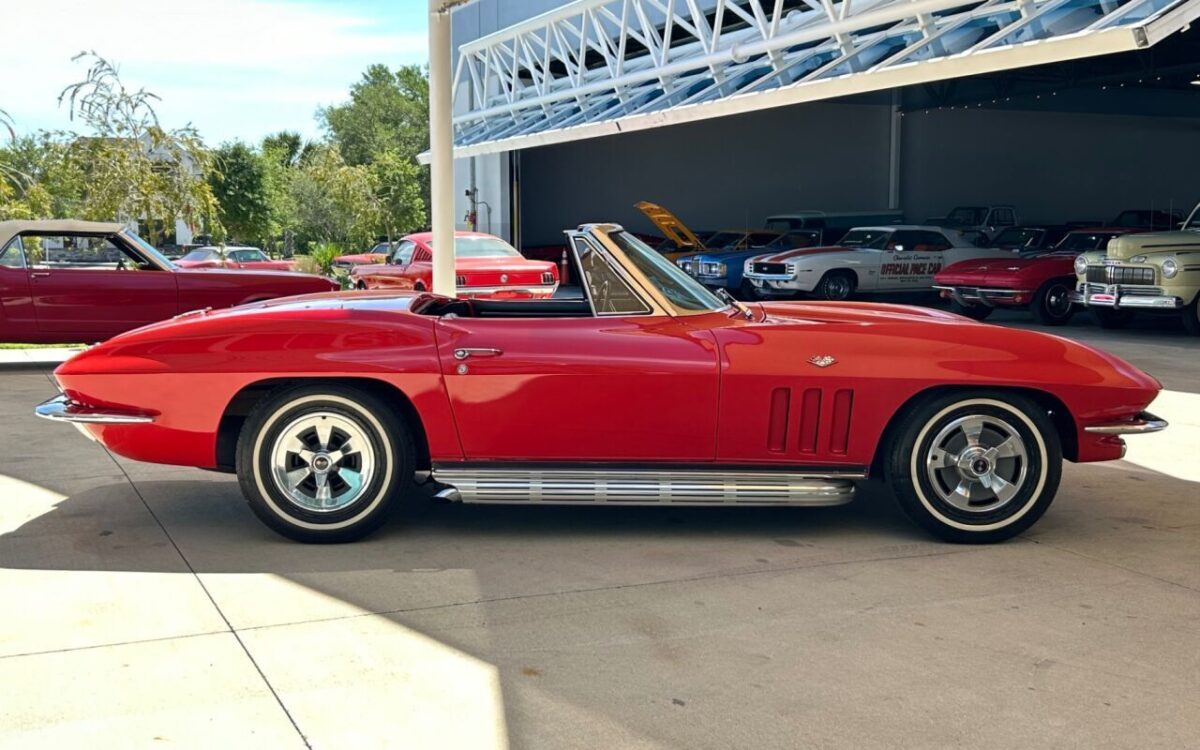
{"points": [[722, 269]]}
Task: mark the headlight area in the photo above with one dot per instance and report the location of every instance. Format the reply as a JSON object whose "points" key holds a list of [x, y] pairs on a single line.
{"points": [[1081, 264], [713, 269], [1170, 267]]}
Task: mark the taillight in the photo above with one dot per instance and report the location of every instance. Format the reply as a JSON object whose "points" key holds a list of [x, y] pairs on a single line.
{"points": [[460, 280], [547, 277]]}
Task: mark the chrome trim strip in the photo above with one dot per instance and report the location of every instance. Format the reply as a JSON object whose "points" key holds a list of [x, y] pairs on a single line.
{"points": [[62, 409], [644, 487], [531, 288], [1140, 425]]}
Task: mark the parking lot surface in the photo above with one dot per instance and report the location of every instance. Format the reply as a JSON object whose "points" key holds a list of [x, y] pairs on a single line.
{"points": [[144, 605]]}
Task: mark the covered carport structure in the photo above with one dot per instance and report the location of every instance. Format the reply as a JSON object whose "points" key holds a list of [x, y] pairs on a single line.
{"points": [[905, 104]]}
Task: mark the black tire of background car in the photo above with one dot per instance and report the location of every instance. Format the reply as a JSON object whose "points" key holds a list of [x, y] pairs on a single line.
{"points": [[836, 286], [974, 312], [922, 422], [419, 286], [1108, 318], [1048, 303], [747, 291], [391, 485], [1191, 317], [362, 286]]}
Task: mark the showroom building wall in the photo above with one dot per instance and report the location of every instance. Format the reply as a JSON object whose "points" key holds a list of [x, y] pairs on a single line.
{"points": [[1086, 154]]}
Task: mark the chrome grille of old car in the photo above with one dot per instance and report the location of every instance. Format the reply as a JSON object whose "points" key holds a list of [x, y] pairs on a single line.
{"points": [[772, 268], [1120, 275]]}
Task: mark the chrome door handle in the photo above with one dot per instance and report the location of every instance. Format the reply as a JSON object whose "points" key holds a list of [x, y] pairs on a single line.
{"points": [[466, 353], [38, 274]]}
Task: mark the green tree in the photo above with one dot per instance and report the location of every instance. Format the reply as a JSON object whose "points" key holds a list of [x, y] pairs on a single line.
{"points": [[383, 126], [239, 185], [134, 167]]}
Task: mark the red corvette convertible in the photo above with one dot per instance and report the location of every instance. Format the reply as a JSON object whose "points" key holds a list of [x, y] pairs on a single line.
{"points": [[1043, 282], [234, 258], [330, 408], [67, 281], [486, 266]]}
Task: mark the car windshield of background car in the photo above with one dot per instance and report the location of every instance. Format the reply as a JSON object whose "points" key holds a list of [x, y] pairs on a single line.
{"points": [[482, 247], [870, 238]]}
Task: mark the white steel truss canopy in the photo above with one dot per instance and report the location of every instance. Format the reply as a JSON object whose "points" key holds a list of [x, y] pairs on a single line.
{"points": [[597, 67]]}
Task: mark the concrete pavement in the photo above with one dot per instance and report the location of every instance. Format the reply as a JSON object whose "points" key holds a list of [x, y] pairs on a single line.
{"points": [[145, 606]]}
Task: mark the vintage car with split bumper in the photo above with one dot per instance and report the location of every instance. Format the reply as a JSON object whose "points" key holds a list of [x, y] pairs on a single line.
{"points": [[1156, 272], [84, 281], [1043, 282], [884, 259], [647, 389]]}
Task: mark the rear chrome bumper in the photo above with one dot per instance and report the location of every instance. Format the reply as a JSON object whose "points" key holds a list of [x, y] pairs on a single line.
{"points": [[1125, 297], [487, 291], [62, 409], [1141, 424]]}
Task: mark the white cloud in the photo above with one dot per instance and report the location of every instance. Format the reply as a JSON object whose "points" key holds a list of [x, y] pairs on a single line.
{"points": [[232, 67]]}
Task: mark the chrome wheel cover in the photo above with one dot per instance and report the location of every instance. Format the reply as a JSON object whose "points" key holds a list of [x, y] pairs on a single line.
{"points": [[1058, 300], [977, 463], [837, 287], [323, 461]]}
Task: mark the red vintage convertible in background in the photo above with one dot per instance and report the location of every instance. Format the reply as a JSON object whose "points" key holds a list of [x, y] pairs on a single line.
{"points": [[82, 281], [233, 257], [485, 266], [1043, 282], [645, 389]]}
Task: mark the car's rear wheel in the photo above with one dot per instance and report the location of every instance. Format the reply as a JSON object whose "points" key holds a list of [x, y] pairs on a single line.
{"points": [[836, 286], [1052, 304], [975, 467], [324, 463], [1110, 318], [974, 312], [361, 286]]}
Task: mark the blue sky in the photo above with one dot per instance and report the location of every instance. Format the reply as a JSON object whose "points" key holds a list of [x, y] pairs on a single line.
{"points": [[233, 68]]}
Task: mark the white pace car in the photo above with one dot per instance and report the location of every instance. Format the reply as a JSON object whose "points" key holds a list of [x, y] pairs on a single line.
{"points": [[868, 259]]}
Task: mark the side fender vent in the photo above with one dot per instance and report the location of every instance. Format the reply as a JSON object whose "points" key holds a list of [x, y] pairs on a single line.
{"points": [[810, 420], [839, 433]]}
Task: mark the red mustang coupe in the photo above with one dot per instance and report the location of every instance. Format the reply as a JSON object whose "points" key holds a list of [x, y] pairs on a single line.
{"points": [[235, 258], [1043, 282], [331, 408], [67, 281], [377, 254], [485, 266]]}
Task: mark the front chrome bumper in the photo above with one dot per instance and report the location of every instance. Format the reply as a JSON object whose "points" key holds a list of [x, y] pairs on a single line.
{"points": [[1119, 296], [1141, 424], [62, 409], [967, 295]]}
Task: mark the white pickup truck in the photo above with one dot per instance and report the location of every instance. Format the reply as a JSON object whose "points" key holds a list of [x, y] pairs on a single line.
{"points": [[887, 259]]}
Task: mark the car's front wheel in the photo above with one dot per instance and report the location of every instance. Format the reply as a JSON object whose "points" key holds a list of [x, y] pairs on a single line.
{"points": [[324, 462], [1191, 317], [836, 286], [975, 467], [1052, 304]]}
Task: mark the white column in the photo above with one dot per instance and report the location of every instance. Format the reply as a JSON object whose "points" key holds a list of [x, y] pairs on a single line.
{"points": [[441, 148]]}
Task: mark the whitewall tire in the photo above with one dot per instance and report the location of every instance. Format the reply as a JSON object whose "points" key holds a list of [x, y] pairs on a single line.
{"points": [[976, 467], [324, 463]]}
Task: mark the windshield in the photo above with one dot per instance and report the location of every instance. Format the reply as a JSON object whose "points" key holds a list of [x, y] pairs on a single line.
{"points": [[1078, 242], [482, 247], [724, 239], [682, 290], [872, 238], [148, 249], [1017, 237], [967, 216]]}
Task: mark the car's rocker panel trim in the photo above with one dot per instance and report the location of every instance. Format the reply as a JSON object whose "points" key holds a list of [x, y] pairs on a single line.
{"points": [[641, 487]]}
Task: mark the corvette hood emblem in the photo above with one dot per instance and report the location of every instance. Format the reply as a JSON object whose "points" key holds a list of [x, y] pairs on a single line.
{"points": [[823, 360]]}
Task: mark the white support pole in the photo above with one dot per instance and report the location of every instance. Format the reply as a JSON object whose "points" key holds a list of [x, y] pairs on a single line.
{"points": [[441, 148]]}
